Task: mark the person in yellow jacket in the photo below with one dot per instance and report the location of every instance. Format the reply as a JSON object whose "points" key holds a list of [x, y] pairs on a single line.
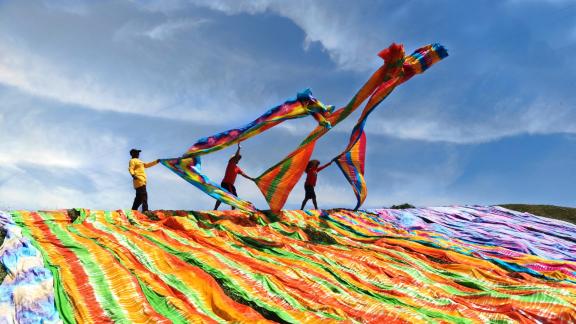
{"points": [[137, 170]]}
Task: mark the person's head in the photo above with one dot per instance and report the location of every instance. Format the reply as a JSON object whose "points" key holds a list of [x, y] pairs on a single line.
{"points": [[134, 153], [312, 164], [236, 158]]}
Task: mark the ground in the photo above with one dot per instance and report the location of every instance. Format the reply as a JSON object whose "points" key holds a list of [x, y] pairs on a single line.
{"points": [[566, 214]]}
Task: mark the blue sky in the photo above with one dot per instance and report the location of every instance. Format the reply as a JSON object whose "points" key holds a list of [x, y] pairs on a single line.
{"points": [[82, 82]]}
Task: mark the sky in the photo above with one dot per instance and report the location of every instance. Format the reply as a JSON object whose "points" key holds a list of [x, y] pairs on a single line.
{"points": [[83, 82]]}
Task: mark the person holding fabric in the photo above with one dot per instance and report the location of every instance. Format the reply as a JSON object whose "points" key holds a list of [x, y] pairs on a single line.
{"points": [[312, 170], [232, 171], [137, 170]]}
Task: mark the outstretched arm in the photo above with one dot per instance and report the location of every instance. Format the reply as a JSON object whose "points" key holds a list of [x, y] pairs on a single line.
{"points": [[240, 172], [325, 166], [151, 164]]}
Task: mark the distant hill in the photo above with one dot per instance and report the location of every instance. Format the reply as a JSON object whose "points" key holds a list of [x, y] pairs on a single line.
{"points": [[566, 214]]}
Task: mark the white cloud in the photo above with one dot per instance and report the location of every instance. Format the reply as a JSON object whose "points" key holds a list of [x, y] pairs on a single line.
{"points": [[37, 76], [75, 7], [335, 25], [508, 117], [169, 29]]}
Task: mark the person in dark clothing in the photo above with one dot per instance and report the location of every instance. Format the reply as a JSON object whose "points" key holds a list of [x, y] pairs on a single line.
{"points": [[312, 170], [137, 170], [232, 171]]}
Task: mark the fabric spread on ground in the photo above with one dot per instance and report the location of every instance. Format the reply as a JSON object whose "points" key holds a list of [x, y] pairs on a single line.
{"points": [[448, 264], [27, 291]]}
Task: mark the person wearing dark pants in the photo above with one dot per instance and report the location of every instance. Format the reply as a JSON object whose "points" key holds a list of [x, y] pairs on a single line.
{"points": [[312, 170], [232, 171], [141, 199], [137, 170]]}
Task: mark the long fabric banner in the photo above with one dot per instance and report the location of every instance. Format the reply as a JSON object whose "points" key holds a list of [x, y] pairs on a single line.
{"points": [[384, 266], [351, 161], [189, 170], [277, 182], [189, 166], [304, 105]]}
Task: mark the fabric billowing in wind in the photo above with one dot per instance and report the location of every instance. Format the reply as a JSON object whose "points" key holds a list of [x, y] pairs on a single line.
{"points": [[277, 182], [396, 70]]}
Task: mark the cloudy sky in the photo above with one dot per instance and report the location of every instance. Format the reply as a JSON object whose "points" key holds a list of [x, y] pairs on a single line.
{"points": [[82, 82]]}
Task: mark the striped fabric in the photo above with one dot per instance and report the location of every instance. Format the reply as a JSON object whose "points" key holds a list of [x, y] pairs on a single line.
{"points": [[189, 170], [351, 163], [396, 70], [277, 182], [189, 166], [305, 104], [450, 264]]}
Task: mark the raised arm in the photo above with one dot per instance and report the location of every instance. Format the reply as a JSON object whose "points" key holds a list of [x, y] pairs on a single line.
{"points": [[238, 150]]}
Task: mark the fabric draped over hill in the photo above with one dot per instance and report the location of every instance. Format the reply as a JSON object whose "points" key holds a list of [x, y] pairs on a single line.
{"points": [[382, 266]]}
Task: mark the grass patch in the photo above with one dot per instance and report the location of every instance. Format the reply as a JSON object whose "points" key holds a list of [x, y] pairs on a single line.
{"points": [[402, 206], [566, 214]]}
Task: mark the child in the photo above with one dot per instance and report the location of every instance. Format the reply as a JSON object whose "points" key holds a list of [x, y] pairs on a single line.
{"points": [[232, 170], [312, 170]]}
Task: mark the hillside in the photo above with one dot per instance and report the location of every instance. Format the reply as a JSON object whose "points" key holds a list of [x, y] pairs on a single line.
{"points": [[566, 214], [454, 264]]}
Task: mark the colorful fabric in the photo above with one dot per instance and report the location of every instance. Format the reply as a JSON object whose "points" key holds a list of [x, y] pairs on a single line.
{"points": [[304, 105], [396, 70], [449, 264], [27, 291], [351, 163], [189, 170], [277, 182]]}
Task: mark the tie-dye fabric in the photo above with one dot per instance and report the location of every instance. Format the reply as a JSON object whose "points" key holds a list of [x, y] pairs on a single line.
{"points": [[27, 291], [277, 182], [351, 163], [305, 104], [189, 166], [189, 170], [449, 264]]}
